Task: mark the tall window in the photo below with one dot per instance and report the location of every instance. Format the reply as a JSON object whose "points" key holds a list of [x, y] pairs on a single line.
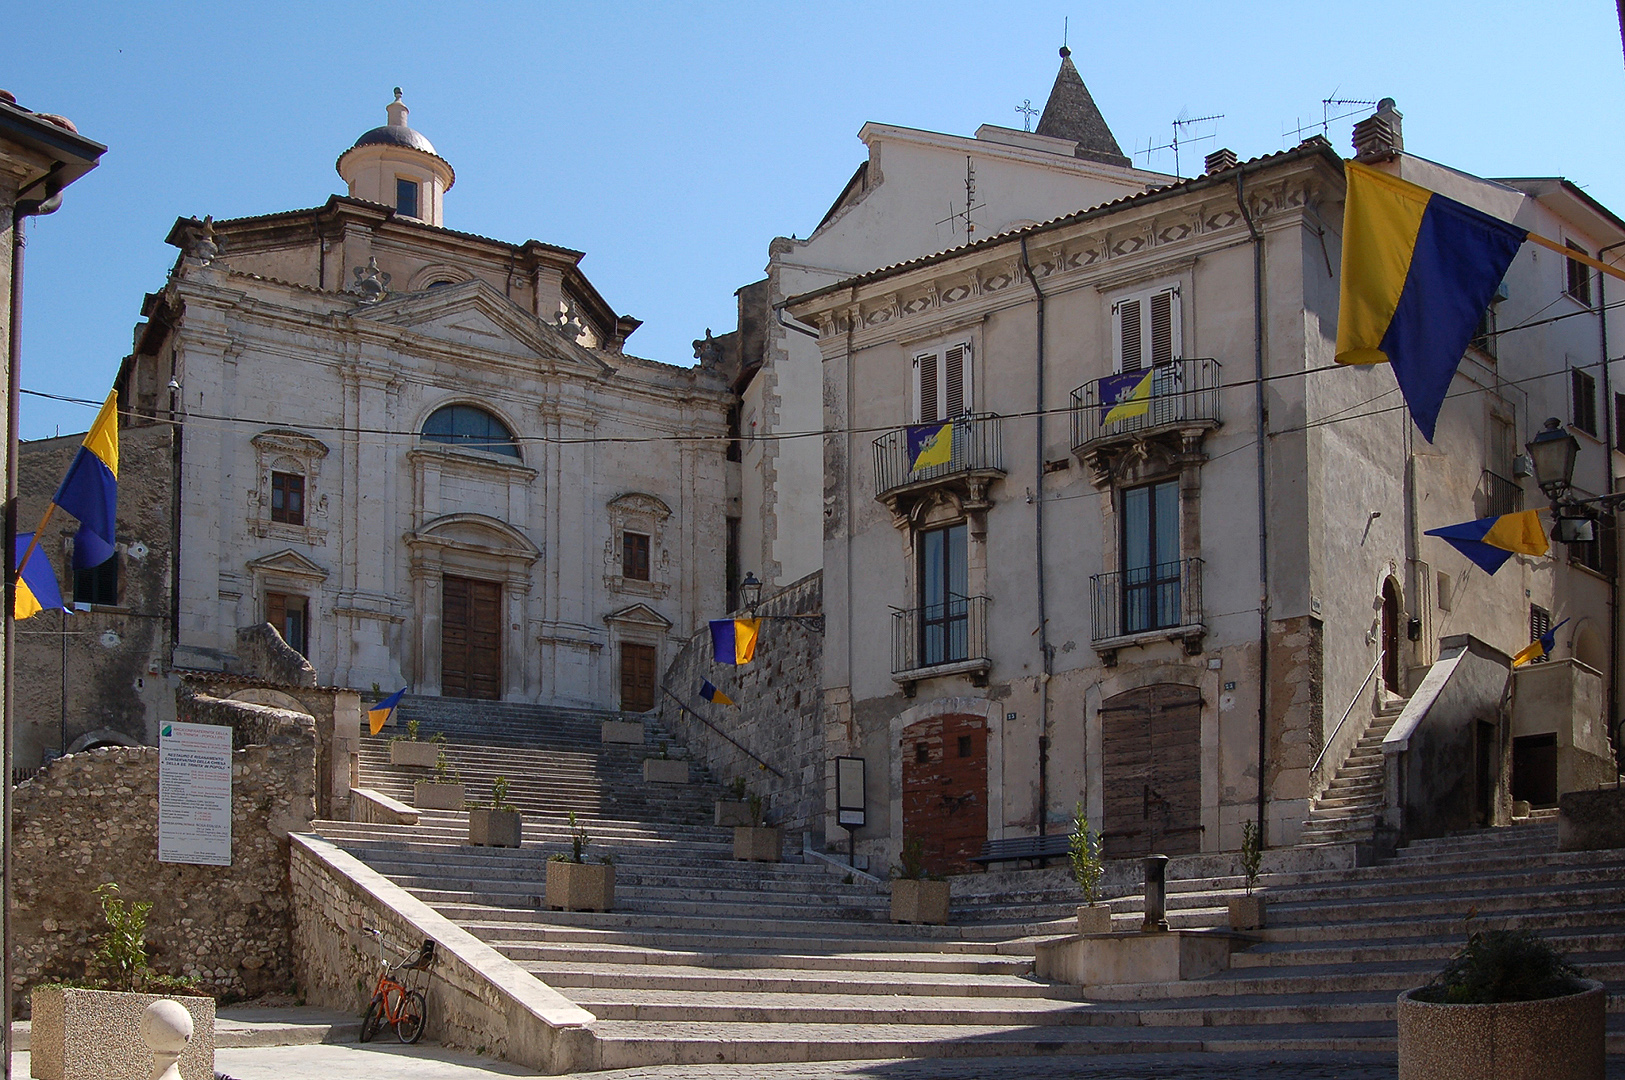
{"points": [[1146, 329], [1150, 557], [470, 428], [942, 383], [635, 556], [1584, 385], [288, 498], [1579, 276], [406, 197], [1505, 495], [944, 580], [289, 614], [96, 584]]}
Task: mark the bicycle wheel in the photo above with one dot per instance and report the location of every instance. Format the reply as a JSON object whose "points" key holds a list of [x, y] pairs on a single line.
{"points": [[373, 1020], [414, 1011]]}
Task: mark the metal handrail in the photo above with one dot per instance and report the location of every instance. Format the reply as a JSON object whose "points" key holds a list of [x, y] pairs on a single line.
{"points": [[1352, 702]]}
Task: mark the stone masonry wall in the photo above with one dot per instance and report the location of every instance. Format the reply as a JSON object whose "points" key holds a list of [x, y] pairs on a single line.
{"points": [[92, 817], [778, 710]]}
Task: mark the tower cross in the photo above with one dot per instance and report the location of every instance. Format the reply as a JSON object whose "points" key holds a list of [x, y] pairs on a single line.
{"points": [[1027, 113]]}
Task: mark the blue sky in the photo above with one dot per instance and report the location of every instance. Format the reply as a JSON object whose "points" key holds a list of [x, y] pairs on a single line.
{"points": [[672, 142]]}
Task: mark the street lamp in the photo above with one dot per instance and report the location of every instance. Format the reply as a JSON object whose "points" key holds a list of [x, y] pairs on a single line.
{"points": [[1553, 452], [750, 591]]}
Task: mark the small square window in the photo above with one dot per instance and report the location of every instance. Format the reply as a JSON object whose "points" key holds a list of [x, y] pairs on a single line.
{"points": [[965, 746], [97, 584], [922, 753], [635, 556], [288, 498], [406, 197]]}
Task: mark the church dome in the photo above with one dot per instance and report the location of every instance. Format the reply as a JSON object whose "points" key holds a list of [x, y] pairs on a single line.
{"points": [[390, 135], [396, 166]]}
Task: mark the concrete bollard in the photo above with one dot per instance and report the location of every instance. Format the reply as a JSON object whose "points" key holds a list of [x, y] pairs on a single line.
{"points": [[166, 1027], [1156, 893]]}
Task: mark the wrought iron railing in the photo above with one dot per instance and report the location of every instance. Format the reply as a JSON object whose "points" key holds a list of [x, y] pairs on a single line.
{"points": [[976, 448], [1181, 392], [1145, 599], [1503, 495], [951, 632]]}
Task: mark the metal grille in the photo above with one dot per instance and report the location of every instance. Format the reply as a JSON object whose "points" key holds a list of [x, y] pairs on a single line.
{"points": [[1157, 597], [1182, 392], [951, 632], [1503, 495], [976, 447]]}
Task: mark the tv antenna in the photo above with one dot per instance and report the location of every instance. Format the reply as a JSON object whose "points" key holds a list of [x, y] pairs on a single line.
{"points": [[1182, 122], [971, 205], [1327, 106]]}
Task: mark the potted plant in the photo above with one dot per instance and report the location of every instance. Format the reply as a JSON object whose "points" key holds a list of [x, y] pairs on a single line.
{"points": [[917, 896], [758, 841], [1247, 912], [574, 884], [1507, 1005], [90, 1030], [662, 769], [407, 751], [445, 790], [496, 825], [1084, 853], [733, 809]]}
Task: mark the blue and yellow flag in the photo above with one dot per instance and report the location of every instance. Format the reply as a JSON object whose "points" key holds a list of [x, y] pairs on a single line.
{"points": [[90, 490], [733, 641], [379, 714], [711, 693], [1541, 646], [1418, 271], [36, 585], [1490, 542], [930, 444], [1125, 395]]}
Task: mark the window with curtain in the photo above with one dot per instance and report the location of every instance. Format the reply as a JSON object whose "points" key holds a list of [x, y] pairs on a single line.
{"points": [[1149, 557], [943, 581]]}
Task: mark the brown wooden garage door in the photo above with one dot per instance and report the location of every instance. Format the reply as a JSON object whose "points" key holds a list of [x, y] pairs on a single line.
{"points": [[471, 639], [945, 789], [1151, 764]]}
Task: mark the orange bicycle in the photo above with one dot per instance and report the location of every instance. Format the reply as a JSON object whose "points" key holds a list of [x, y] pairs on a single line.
{"points": [[393, 1002]]}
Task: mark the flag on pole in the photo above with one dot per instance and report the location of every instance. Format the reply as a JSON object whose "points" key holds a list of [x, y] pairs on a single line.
{"points": [[1490, 542], [711, 693], [930, 444], [379, 714], [1541, 646], [36, 586], [733, 641], [1124, 395], [90, 490], [1418, 272]]}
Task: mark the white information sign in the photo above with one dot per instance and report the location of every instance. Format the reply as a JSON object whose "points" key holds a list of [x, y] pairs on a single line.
{"points": [[194, 794]]}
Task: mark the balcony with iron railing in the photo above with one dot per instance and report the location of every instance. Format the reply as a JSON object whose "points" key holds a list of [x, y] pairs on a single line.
{"points": [[1502, 495], [1150, 603], [947, 638], [1182, 394], [976, 457]]}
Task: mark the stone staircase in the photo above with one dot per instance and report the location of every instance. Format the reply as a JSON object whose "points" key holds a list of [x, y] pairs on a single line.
{"points": [[709, 960], [1347, 811]]}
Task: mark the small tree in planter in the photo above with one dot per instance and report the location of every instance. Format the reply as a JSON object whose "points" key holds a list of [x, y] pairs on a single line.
{"points": [[917, 896], [445, 790], [1088, 867], [757, 841], [496, 825], [1507, 1005], [732, 809], [1247, 912], [574, 884], [407, 750]]}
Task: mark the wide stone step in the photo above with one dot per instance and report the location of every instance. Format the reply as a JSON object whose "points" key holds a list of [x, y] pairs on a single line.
{"points": [[769, 944], [567, 975], [742, 959], [856, 1009]]}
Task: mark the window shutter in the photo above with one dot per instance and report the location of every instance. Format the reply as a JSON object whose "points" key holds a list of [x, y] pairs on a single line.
{"points": [[1129, 350], [953, 377], [925, 387], [1165, 326]]}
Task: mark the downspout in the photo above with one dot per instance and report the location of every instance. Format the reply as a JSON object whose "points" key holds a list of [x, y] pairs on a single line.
{"points": [[1038, 555], [8, 667], [1608, 476], [1261, 418]]}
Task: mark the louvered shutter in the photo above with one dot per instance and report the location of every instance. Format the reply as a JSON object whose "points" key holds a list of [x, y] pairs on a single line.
{"points": [[1164, 327], [955, 399], [1148, 329], [1129, 346], [926, 406]]}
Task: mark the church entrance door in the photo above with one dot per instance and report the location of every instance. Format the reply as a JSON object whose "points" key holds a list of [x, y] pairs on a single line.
{"points": [[471, 639], [1151, 766]]}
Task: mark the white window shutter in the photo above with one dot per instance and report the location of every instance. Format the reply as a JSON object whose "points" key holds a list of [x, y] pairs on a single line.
{"points": [[1165, 326], [955, 380], [1130, 347], [926, 405]]}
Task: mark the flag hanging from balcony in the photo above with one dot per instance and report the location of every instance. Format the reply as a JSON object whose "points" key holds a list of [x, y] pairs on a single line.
{"points": [[1125, 395], [1490, 542], [37, 590], [379, 714], [90, 490], [1418, 272], [711, 693], [1541, 646], [930, 444], [733, 641]]}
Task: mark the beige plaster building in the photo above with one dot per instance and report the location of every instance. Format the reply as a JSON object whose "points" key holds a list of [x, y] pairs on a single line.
{"points": [[1166, 616]]}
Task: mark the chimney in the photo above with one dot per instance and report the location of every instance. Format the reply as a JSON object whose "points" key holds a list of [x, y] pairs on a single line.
{"points": [[1219, 160], [1380, 137]]}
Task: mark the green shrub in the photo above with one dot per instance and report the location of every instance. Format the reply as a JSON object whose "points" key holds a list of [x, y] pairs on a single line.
{"points": [[1252, 853], [499, 794], [444, 771], [1084, 852], [736, 788], [121, 951], [912, 863], [1503, 965]]}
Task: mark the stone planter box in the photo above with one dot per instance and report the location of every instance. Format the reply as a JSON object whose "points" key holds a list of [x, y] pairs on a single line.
{"points": [[914, 901], [1139, 957], [1094, 918], [580, 886], [664, 771], [1591, 820], [621, 731], [1555, 1039], [428, 795], [1247, 912], [414, 755], [757, 843], [495, 828], [96, 1035], [734, 812]]}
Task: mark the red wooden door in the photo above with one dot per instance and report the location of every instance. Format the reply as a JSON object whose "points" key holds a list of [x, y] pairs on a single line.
{"points": [[945, 789]]}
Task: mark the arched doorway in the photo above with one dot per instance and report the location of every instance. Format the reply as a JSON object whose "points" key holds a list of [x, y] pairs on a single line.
{"points": [[1390, 637], [945, 789], [1151, 771]]}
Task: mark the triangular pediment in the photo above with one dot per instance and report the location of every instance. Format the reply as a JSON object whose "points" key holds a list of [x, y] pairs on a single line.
{"points": [[288, 561], [640, 615], [474, 315]]}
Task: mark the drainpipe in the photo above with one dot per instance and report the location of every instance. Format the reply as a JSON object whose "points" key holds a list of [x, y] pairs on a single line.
{"points": [[1038, 554], [1608, 475], [1261, 418]]}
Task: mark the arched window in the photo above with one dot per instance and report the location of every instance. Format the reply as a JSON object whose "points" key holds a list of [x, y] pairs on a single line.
{"points": [[471, 428]]}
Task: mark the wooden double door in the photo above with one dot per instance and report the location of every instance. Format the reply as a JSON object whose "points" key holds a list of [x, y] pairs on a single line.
{"points": [[1151, 765], [471, 638], [945, 790]]}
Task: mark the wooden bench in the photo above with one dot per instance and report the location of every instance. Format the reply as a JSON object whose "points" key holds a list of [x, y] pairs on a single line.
{"points": [[1038, 848]]}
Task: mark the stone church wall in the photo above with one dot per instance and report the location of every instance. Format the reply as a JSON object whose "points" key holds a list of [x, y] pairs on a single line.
{"points": [[778, 710], [92, 817]]}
